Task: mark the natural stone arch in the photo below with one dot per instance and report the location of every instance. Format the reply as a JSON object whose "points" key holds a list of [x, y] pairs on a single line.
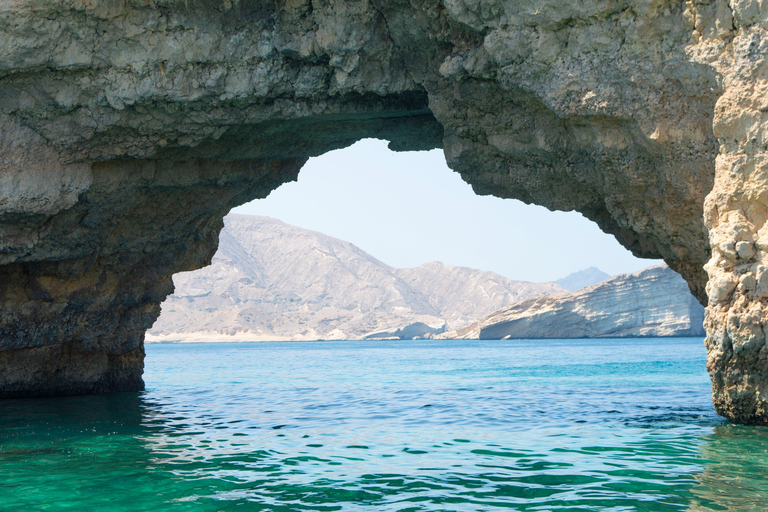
{"points": [[129, 128]]}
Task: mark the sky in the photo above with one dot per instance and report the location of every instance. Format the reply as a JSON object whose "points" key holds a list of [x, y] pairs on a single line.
{"points": [[409, 208]]}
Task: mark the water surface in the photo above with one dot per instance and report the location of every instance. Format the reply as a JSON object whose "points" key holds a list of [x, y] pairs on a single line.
{"points": [[556, 425]]}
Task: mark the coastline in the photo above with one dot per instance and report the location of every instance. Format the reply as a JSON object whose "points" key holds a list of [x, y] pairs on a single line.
{"points": [[238, 337]]}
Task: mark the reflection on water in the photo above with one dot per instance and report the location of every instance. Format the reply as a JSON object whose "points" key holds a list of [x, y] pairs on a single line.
{"points": [[735, 475], [578, 425]]}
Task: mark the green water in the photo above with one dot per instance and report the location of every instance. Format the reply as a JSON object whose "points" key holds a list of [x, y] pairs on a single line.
{"points": [[563, 425]]}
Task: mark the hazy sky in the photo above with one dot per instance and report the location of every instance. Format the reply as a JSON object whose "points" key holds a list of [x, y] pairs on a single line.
{"points": [[409, 208]]}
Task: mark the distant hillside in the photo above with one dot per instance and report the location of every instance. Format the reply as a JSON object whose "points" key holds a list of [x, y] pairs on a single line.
{"points": [[270, 280], [582, 279], [651, 302], [463, 295]]}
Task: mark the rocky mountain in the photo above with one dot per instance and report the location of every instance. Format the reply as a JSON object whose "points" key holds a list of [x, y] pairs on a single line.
{"points": [[462, 295], [652, 302], [270, 280], [582, 279]]}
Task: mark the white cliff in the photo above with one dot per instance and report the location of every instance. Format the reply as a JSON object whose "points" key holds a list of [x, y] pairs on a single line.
{"points": [[652, 302]]}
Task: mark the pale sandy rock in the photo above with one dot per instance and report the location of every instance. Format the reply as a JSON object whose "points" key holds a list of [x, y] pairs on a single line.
{"points": [[720, 288], [736, 214]]}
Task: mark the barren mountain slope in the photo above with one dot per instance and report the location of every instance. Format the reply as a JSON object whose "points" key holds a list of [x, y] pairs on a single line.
{"points": [[270, 280]]}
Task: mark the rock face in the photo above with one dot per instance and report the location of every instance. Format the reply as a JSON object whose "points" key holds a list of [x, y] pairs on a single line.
{"points": [[126, 240], [113, 112], [651, 302], [735, 213], [582, 279], [273, 281]]}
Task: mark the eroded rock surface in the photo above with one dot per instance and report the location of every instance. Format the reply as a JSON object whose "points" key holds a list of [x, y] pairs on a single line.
{"points": [[736, 211], [602, 106], [74, 322]]}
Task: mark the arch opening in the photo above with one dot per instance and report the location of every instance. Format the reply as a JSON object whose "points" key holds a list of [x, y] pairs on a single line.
{"points": [[427, 250]]}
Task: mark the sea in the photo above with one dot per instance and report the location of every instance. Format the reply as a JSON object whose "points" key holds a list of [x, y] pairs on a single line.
{"points": [[523, 425]]}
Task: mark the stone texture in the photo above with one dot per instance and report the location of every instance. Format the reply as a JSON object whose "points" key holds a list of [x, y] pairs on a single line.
{"points": [[273, 281], [596, 107], [651, 302], [76, 325], [624, 110], [735, 213]]}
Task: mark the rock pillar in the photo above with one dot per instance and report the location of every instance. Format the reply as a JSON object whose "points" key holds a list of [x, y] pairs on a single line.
{"points": [[736, 212]]}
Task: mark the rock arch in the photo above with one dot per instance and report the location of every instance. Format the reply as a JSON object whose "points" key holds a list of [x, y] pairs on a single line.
{"points": [[130, 127]]}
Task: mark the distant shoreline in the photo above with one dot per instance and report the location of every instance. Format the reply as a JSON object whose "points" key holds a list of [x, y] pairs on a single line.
{"points": [[226, 338]]}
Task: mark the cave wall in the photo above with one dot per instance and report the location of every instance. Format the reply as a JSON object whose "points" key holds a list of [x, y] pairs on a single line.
{"points": [[129, 128]]}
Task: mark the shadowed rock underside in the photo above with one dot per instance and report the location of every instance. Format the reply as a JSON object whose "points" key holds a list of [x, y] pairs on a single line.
{"points": [[128, 129]]}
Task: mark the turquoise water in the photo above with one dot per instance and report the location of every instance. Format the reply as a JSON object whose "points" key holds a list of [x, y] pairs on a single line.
{"points": [[559, 425]]}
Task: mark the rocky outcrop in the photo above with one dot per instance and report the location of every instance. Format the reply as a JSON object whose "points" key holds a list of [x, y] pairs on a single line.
{"points": [[582, 279], [617, 109], [651, 302], [273, 281], [736, 212], [124, 241], [414, 331]]}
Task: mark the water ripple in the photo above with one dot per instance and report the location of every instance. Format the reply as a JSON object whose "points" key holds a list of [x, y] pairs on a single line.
{"points": [[430, 426]]}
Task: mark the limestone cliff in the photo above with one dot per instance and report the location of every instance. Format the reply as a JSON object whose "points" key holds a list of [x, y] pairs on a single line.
{"points": [[651, 302], [273, 281], [129, 128]]}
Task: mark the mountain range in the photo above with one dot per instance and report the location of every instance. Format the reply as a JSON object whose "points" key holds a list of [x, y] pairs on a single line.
{"points": [[273, 281]]}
